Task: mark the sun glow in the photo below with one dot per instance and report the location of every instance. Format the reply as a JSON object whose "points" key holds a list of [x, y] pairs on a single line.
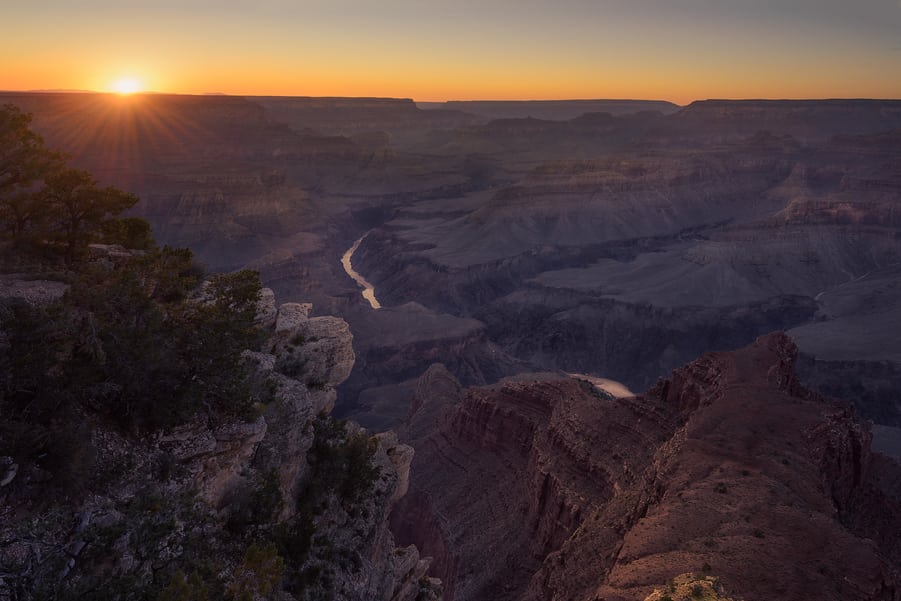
{"points": [[126, 85]]}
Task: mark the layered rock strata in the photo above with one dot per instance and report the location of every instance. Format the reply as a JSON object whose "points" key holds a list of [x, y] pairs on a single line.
{"points": [[729, 469]]}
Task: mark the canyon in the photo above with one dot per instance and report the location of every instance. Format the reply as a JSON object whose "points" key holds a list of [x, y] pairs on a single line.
{"points": [[513, 244], [545, 488]]}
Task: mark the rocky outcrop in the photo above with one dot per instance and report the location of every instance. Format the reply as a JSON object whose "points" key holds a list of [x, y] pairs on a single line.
{"points": [[315, 350], [355, 116], [805, 119], [548, 490], [31, 291], [688, 587], [209, 486], [556, 109], [214, 458]]}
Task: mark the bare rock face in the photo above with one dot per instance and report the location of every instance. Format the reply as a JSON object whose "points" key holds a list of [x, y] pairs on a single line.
{"points": [[33, 292], [400, 456], [266, 309], [290, 316], [690, 587], [215, 456], [329, 348], [321, 348], [729, 469], [436, 392], [393, 573]]}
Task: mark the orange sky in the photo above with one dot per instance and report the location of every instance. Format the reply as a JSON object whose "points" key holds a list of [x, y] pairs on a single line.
{"points": [[465, 49]]}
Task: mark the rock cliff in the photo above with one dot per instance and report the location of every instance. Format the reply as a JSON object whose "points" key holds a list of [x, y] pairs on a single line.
{"points": [[199, 493], [730, 469]]}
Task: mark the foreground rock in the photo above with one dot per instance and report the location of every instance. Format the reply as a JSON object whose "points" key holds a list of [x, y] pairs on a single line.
{"points": [[245, 502], [549, 490], [33, 292]]}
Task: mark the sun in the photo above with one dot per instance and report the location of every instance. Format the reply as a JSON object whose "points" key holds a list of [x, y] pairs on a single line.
{"points": [[126, 86]]}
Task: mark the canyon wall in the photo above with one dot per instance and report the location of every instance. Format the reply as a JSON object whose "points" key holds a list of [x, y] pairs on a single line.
{"points": [[549, 489]]}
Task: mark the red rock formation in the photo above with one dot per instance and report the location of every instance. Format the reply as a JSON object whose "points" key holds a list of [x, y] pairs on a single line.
{"points": [[549, 490]]}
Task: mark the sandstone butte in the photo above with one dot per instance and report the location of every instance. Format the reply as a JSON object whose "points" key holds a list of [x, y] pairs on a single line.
{"points": [[728, 479]]}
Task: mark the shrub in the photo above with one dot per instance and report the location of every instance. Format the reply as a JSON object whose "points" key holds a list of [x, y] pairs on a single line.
{"points": [[130, 232], [257, 505], [340, 462], [259, 572], [185, 588]]}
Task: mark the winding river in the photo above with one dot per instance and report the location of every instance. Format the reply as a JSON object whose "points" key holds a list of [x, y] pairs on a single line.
{"points": [[368, 289]]}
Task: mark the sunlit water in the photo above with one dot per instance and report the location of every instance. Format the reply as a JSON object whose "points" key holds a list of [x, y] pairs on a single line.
{"points": [[368, 289], [612, 387]]}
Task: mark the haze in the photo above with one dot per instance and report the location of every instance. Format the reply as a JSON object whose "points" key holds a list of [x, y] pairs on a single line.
{"points": [[464, 49]]}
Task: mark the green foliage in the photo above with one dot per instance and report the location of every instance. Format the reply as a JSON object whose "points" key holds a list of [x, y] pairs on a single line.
{"points": [[78, 208], [258, 504], [24, 161], [294, 539], [291, 365], [185, 588], [127, 343], [130, 232], [169, 274], [214, 334], [41, 425], [267, 497], [46, 206], [341, 463], [259, 572], [162, 357]]}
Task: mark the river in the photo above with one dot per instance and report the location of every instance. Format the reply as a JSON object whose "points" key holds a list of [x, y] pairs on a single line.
{"points": [[368, 289], [612, 387]]}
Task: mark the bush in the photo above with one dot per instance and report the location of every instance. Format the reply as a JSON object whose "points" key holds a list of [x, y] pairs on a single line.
{"points": [[128, 344], [259, 572], [341, 462], [130, 232], [257, 505], [185, 588]]}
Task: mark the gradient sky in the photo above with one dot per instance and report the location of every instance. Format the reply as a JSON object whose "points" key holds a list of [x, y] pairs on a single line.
{"points": [[677, 50]]}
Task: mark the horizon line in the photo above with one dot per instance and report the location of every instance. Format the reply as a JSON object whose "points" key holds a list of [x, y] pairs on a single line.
{"points": [[450, 100]]}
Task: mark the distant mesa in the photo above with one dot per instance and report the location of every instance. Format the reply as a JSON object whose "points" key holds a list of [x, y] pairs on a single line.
{"points": [[553, 110], [59, 91]]}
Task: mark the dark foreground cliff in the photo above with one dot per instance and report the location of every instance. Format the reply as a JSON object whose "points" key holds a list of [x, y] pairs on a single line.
{"points": [[729, 471], [283, 502]]}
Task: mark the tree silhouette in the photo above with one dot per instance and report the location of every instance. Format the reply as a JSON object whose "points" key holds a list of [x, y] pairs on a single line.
{"points": [[24, 162], [80, 207], [44, 201]]}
